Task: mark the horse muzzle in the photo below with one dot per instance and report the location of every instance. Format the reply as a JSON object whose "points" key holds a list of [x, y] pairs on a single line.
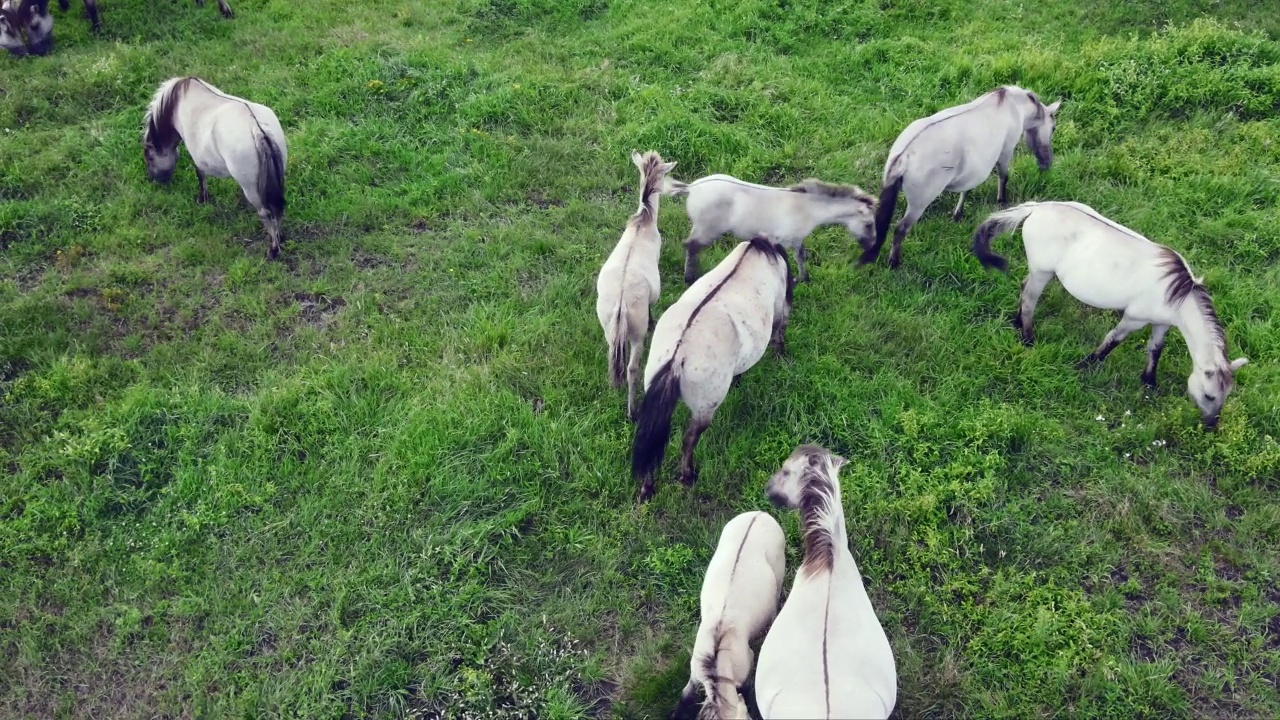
{"points": [[1211, 422], [16, 50], [778, 500], [42, 47]]}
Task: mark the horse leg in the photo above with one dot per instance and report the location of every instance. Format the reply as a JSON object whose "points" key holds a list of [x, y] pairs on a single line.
{"points": [[1124, 329], [692, 246], [225, 9], [802, 269], [779, 339], [1002, 170], [90, 7], [900, 233], [1032, 287], [203, 196], [633, 374], [958, 213], [1155, 346], [688, 471]]}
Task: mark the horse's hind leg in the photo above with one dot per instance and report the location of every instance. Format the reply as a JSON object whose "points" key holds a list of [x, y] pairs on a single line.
{"points": [[689, 471], [1117, 335], [90, 7], [958, 213], [1032, 287], [225, 9], [1155, 346], [802, 260], [633, 375], [914, 212]]}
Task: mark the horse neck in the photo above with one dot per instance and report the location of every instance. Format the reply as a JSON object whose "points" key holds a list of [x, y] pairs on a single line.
{"points": [[1201, 334], [825, 210]]}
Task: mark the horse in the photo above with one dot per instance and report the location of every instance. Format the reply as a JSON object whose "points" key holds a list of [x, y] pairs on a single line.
{"points": [[826, 656], [955, 150], [31, 17], [718, 329], [227, 136], [628, 283], [739, 599], [720, 204], [1106, 265]]}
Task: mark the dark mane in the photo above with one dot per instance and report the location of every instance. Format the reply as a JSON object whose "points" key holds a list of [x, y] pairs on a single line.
{"points": [[814, 186], [818, 493], [160, 130], [651, 178], [1182, 285], [1000, 92]]}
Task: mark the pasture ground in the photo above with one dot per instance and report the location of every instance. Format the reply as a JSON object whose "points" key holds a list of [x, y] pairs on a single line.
{"points": [[385, 476]]}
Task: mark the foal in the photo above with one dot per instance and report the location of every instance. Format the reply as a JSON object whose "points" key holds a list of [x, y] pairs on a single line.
{"points": [[720, 204], [826, 655], [955, 150], [1106, 265], [628, 283], [739, 599], [718, 329], [227, 136]]}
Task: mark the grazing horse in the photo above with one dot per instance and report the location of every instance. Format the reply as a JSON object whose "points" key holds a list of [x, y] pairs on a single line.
{"points": [[739, 600], [720, 204], [226, 136], [1106, 265], [628, 283], [955, 150], [826, 655], [29, 17], [718, 329]]}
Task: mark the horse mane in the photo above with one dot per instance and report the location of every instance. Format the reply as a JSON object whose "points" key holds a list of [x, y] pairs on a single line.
{"points": [[814, 186], [815, 510], [652, 184], [157, 124], [1183, 285]]}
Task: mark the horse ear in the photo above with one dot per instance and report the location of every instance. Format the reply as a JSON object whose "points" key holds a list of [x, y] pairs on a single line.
{"points": [[668, 167], [1053, 109], [838, 462], [1239, 363], [635, 157]]}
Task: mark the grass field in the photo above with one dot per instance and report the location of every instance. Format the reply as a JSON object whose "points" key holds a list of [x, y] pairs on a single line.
{"points": [[386, 477]]}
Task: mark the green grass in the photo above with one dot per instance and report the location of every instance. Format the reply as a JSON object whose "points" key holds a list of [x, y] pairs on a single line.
{"points": [[386, 477]]}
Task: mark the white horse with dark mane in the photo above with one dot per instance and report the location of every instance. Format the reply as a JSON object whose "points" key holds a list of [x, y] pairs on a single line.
{"points": [[826, 656], [955, 150], [739, 599], [628, 283], [720, 204], [1106, 265], [227, 136], [718, 329]]}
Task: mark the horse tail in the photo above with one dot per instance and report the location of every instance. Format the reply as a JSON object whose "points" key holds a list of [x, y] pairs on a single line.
{"points": [[270, 175], [653, 428], [884, 216], [674, 188], [997, 224], [617, 349], [712, 680]]}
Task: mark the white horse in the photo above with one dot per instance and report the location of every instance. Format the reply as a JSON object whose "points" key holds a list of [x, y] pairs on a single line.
{"points": [[955, 150], [739, 600], [826, 655], [718, 329], [628, 283], [720, 204], [29, 16], [226, 136], [1106, 265]]}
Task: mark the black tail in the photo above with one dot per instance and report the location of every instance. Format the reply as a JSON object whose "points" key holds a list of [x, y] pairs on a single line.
{"points": [[617, 351], [884, 217], [982, 238], [653, 428], [270, 176]]}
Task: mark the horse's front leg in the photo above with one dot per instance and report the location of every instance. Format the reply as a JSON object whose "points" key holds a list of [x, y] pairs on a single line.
{"points": [[1002, 170], [91, 8], [203, 196], [958, 213], [1155, 346], [900, 233], [802, 260], [225, 9], [1124, 329], [692, 246]]}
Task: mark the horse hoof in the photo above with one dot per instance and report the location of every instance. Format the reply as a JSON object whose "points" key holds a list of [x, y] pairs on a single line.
{"points": [[1150, 382], [228, 14], [689, 477], [646, 494], [1088, 362], [894, 263], [867, 258]]}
